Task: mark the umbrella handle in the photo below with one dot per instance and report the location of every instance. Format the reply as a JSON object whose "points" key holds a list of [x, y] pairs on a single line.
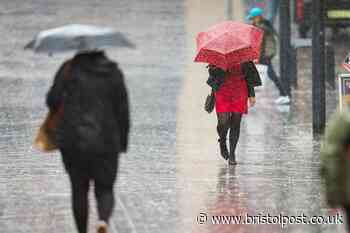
{"points": [[30, 45]]}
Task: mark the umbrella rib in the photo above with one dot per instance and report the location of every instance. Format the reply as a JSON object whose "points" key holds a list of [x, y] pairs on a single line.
{"points": [[244, 44], [214, 38], [228, 43]]}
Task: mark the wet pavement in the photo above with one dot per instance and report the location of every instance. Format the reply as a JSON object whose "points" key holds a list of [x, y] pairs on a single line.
{"points": [[34, 190], [278, 171], [172, 172]]}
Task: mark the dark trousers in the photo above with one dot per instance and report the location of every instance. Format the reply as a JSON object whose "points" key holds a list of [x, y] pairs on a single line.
{"points": [[83, 168], [273, 76]]}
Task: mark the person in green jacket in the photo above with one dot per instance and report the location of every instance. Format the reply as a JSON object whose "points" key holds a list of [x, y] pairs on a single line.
{"points": [[335, 162], [268, 51]]}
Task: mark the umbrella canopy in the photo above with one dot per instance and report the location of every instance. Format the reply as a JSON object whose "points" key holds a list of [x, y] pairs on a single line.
{"points": [[77, 37], [229, 43]]}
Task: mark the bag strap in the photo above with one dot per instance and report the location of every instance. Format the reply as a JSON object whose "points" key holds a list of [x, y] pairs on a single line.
{"points": [[67, 69]]}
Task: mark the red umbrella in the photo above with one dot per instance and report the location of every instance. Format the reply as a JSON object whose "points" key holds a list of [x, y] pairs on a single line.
{"points": [[229, 43]]}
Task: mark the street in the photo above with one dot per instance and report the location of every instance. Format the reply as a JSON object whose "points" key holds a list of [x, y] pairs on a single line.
{"points": [[34, 189], [173, 170]]}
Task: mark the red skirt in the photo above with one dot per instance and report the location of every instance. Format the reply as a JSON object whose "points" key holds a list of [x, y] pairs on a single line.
{"points": [[232, 95]]}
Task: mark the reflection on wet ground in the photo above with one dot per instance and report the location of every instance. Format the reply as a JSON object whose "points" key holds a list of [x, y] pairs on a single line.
{"points": [[278, 171]]}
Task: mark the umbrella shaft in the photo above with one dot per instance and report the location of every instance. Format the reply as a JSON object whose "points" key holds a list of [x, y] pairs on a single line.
{"points": [[228, 9]]}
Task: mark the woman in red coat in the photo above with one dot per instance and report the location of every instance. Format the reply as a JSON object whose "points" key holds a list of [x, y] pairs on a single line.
{"points": [[233, 89]]}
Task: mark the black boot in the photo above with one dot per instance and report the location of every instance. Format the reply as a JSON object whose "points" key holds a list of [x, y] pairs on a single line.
{"points": [[232, 156], [223, 148], [232, 159]]}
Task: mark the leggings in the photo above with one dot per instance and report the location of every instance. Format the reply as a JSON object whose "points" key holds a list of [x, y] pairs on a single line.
{"points": [[103, 174], [229, 121], [80, 203]]}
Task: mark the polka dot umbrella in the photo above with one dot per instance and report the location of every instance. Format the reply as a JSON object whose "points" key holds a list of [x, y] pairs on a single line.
{"points": [[229, 43]]}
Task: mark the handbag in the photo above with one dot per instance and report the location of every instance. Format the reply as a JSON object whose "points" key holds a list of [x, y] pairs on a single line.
{"points": [[45, 140], [210, 102]]}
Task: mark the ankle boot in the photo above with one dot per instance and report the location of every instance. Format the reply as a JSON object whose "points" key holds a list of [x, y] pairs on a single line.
{"points": [[232, 159], [223, 148]]}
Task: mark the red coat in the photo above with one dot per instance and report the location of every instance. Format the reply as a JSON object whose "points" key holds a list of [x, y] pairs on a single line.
{"points": [[233, 94]]}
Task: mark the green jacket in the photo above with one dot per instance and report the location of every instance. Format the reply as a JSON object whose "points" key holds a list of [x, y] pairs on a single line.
{"points": [[269, 43], [335, 164]]}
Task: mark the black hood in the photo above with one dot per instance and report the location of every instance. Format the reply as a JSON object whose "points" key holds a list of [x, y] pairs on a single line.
{"points": [[95, 62]]}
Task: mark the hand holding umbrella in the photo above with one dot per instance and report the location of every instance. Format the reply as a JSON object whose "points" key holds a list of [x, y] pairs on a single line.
{"points": [[231, 47]]}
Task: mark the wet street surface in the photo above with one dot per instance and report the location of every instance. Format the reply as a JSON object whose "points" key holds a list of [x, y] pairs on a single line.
{"points": [[278, 160], [34, 189], [172, 171]]}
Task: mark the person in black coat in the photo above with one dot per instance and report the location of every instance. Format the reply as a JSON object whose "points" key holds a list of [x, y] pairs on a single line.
{"points": [[90, 92]]}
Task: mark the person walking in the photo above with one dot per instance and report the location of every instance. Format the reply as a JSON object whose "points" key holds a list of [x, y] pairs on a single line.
{"points": [[233, 89], [90, 96], [229, 48], [268, 51]]}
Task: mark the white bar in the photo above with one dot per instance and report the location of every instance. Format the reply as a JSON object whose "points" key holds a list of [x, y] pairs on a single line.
{"points": [[341, 94]]}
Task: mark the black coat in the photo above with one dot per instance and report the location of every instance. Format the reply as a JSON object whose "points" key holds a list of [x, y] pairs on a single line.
{"points": [[92, 92], [251, 74], [217, 77]]}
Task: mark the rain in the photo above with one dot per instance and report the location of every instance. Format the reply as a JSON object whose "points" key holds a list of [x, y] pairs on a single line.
{"points": [[172, 179]]}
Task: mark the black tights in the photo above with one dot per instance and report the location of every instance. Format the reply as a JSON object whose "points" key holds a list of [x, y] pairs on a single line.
{"points": [[80, 202], [80, 188], [229, 121]]}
